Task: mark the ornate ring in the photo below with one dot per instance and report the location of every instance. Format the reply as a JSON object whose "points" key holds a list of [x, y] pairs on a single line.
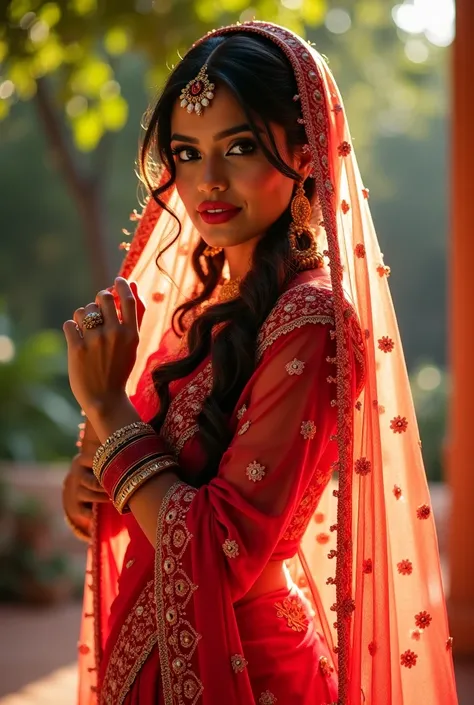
{"points": [[93, 320]]}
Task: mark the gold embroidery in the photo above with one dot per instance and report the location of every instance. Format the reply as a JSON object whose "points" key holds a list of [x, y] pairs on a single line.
{"points": [[311, 304], [306, 508], [325, 667], [255, 472], [308, 430], [130, 563], [267, 698], [295, 367], [230, 548], [241, 411], [177, 638], [134, 643], [293, 611], [239, 663], [245, 427]]}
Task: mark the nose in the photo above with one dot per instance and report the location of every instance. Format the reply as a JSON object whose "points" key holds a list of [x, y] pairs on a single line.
{"points": [[212, 177]]}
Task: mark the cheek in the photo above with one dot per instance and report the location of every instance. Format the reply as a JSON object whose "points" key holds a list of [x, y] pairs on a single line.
{"points": [[268, 188]]}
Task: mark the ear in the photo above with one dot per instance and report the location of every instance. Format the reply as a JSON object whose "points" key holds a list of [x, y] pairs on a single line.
{"points": [[303, 163]]}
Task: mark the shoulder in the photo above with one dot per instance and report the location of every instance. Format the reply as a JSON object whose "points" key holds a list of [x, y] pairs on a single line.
{"points": [[306, 303]]}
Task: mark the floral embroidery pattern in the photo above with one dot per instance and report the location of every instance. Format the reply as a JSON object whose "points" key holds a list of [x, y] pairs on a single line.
{"points": [[408, 658], [359, 250], [136, 640], [397, 491], [362, 466], [177, 638], [386, 344], [306, 508], [230, 548], [423, 511], [383, 270], [372, 648], [322, 537], [241, 411], [416, 634], [405, 567], [239, 663], [367, 566], [344, 149], [255, 472], [245, 427], [423, 620], [295, 367], [293, 611], [365, 193], [399, 424], [308, 430], [267, 698], [325, 667], [345, 207], [449, 643]]}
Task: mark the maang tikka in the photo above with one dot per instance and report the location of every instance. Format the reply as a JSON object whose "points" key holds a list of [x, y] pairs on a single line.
{"points": [[198, 93]]}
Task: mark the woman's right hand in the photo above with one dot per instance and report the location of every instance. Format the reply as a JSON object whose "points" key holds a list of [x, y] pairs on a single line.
{"points": [[80, 489]]}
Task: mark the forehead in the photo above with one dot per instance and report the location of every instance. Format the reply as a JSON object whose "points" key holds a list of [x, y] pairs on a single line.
{"points": [[223, 112]]}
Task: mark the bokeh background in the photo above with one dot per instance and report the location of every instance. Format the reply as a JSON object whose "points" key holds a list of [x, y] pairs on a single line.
{"points": [[76, 77]]}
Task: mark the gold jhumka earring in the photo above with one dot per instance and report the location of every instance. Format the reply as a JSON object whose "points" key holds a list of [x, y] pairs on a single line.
{"points": [[212, 251], [309, 257]]}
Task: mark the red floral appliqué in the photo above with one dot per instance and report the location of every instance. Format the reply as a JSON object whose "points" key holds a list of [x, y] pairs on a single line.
{"points": [[344, 149], [158, 297], [408, 658], [360, 250], [372, 648], [345, 207], [362, 466], [399, 424], [367, 566], [423, 511], [405, 567], [423, 619], [386, 344], [449, 643], [365, 193], [322, 538], [397, 491], [383, 270]]}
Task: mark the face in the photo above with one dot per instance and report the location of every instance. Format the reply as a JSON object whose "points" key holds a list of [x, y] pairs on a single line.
{"points": [[220, 166]]}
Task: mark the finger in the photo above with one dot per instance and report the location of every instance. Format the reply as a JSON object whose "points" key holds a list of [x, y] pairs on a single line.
{"points": [[90, 482], [78, 315], [85, 512], [106, 304], [72, 334], [128, 304], [141, 308], [85, 495]]}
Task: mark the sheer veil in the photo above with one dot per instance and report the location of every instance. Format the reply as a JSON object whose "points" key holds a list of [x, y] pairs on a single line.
{"points": [[369, 558]]}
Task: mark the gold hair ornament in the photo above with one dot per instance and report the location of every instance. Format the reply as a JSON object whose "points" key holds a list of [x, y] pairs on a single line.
{"points": [[198, 93]]}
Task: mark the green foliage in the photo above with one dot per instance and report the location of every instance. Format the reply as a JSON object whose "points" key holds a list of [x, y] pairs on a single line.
{"points": [[37, 421], [431, 411]]}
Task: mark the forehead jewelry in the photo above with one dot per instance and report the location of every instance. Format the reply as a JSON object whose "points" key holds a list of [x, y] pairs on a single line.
{"points": [[198, 93]]}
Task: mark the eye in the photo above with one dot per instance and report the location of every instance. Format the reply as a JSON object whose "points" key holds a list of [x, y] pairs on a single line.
{"points": [[243, 147], [185, 154]]}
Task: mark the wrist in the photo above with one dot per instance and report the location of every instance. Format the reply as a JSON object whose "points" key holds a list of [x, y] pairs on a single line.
{"points": [[107, 416]]}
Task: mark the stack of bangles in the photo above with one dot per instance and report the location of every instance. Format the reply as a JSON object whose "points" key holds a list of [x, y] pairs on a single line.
{"points": [[130, 457]]}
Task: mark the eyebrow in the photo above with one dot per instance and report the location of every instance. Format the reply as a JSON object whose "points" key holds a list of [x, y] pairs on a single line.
{"points": [[219, 136]]}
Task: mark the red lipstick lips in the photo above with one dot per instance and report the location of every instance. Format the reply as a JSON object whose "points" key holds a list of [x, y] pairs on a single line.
{"points": [[217, 212]]}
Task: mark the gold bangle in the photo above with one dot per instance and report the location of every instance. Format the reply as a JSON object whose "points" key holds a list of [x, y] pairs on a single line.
{"points": [[78, 533], [139, 478], [117, 439]]}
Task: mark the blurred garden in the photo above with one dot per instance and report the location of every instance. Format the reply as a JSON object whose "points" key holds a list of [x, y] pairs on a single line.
{"points": [[76, 77]]}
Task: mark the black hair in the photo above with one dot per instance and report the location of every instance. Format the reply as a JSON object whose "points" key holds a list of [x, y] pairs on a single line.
{"points": [[262, 80]]}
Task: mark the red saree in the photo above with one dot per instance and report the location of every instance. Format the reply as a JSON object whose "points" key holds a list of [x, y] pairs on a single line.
{"points": [[367, 603], [214, 542]]}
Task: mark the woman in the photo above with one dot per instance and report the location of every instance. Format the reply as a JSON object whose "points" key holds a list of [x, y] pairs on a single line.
{"points": [[209, 566]]}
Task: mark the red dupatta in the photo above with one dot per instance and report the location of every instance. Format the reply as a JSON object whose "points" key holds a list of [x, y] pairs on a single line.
{"points": [[391, 629]]}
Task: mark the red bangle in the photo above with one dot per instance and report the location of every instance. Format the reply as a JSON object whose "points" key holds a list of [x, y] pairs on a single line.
{"points": [[125, 460]]}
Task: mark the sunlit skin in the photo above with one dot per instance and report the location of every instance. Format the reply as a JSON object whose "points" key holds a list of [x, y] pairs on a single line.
{"points": [[210, 167], [234, 169]]}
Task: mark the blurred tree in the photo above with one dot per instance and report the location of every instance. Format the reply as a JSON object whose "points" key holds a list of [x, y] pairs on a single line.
{"points": [[65, 56]]}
